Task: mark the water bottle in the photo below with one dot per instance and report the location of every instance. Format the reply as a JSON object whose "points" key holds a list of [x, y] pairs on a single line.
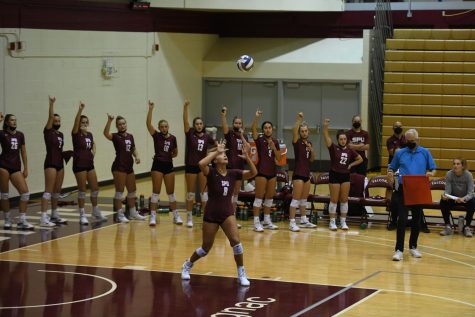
{"points": [[460, 224]]}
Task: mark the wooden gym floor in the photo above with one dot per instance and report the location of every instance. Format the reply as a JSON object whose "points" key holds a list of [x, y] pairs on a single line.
{"points": [[133, 270]]}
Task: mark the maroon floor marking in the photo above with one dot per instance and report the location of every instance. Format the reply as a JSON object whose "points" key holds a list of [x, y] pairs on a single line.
{"points": [[145, 293]]}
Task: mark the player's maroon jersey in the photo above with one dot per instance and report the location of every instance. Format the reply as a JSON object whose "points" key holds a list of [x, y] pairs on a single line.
{"points": [[164, 146], [361, 137], [266, 165], [234, 145], [124, 146], [54, 141], [220, 192], [11, 146], [394, 142], [82, 146], [302, 158], [341, 158], [196, 147]]}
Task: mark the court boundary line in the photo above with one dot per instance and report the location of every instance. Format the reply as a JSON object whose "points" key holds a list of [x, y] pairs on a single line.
{"points": [[358, 303], [326, 299]]}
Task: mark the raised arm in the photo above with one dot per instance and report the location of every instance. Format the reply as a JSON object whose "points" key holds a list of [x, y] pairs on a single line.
{"points": [[203, 164], [255, 134], [186, 123], [295, 130], [326, 134], [246, 154], [77, 120], [107, 128], [49, 123], [150, 127], [224, 121]]}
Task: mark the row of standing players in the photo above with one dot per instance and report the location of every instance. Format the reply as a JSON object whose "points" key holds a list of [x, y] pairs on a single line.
{"points": [[223, 187]]}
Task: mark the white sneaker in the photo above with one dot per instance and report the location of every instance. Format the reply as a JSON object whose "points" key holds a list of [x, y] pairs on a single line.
{"points": [[45, 222], [57, 219], [189, 221], [97, 214], [122, 218], [83, 220], [136, 216], [153, 220], [293, 227], [24, 225], [242, 278], [238, 226], [185, 270], [258, 227], [7, 225], [332, 225], [415, 253], [307, 224], [269, 225], [177, 219], [397, 256], [343, 224]]}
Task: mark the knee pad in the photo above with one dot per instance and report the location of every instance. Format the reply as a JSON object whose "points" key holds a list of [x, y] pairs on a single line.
{"points": [[172, 198], [268, 202], [344, 208], [303, 202], [204, 197], [190, 196], [234, 200], [25, 197], [94, 194], [82, 195], [155, 198], [332, 208], [201, 252], [294, 203], [55, 195], [131, 195], [119, 195], [47, 196], [238, 249], [257, 203]]}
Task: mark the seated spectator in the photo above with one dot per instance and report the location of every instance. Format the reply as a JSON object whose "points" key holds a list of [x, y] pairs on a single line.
{"points": [[458, 192]]}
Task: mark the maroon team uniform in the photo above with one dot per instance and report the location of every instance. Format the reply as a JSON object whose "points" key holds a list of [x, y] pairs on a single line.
{"points": [[266, 166], [340, 159], [234, 145], [83, 160], [124, 146], [164, 147], [11, 146], [302, 161], [361, 137], [54, 141], [220, 191], [196, 150], [394, 142]]}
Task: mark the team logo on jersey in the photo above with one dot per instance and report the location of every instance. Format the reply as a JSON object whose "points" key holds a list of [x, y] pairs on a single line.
{"points": [[166, 146], [201, 145], [60, 142]]}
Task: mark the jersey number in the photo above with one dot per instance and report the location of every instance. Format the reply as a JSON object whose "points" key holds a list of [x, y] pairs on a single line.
{"points": [[343, 158], [14, 144]]}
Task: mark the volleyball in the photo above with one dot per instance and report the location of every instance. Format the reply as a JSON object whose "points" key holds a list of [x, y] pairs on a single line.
{"points": [[245, 63]]}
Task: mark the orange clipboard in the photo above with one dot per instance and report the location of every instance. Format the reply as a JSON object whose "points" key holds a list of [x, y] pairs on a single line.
{"points": [[416, 190]]}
